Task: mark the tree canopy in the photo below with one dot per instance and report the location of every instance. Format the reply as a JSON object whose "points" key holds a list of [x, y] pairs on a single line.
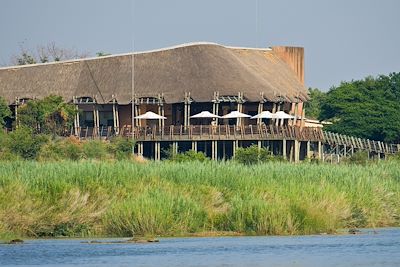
{"points": [[368, 108], [5, 112], [313, 106], [50, 115]]}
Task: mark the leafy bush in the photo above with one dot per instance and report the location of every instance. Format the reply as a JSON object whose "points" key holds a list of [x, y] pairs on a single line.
{"points": [[5, 111], [121, 147], [254, 155], [190, 155], [50, 115], [95, 149], [67, 148], [24, 143], [360, 157]]}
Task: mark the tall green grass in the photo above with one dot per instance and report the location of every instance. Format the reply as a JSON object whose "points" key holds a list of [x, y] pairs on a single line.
{"points": [[167, 198]]}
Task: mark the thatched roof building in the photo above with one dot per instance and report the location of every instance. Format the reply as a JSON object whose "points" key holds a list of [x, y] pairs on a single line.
{"points": [[201, 69]]}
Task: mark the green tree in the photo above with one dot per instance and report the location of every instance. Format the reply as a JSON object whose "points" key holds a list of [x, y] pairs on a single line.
{"points": [[50, 115], [5, 111], [368, 108], [313, 106], [102, 54]]}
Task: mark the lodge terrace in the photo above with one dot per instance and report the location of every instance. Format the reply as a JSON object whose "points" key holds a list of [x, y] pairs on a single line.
{"points": [[177, 83]]}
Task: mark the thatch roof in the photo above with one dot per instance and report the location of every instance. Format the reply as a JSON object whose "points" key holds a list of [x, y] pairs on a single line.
{"points": [[200, 69]]}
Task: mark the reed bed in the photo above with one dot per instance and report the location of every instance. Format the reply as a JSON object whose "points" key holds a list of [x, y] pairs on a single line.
{"points": [[90, 198]]}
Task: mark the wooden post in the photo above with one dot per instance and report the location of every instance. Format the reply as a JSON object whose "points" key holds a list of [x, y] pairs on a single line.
{"points": [[261, 107], [284, 148], [216, 150], [185, 109], [114, 115], [278, 109], [308, 152], [320, 150], [296, 151], [239, 108], [223, 150], [95, 126], [235, 145], [215, 105], [212, 150], [116, 119], [194, 146]]}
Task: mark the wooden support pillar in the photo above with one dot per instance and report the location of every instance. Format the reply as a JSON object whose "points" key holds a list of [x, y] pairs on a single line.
{"points": [[215, 150], [284, 148], [212, 150], [278, 109], [296, 113], [194, 146], [157, 151], [320, 152], [261, 107], [115, 115], [308, 152], [303, 115], [77, 122], [95, 125], [235, 145], [296, 151], [223, 150], [117, 119], [292, 150], [175, 148], [216, 105], [239, 107]]}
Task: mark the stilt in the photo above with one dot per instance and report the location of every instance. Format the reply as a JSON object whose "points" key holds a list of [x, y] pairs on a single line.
{"points": [[194, 146], [223, 150], [296, 151], [216, 150], [175, 148], [284, 148], [319, 150], [308, 152], [212, 150], [235, 145]]}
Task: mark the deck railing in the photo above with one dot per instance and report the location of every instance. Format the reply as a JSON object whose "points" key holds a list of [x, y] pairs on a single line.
{"points": [[334, 140], [223, 132]]}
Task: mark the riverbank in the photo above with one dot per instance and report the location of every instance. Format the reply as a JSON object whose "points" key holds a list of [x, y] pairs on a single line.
{"points": [[89, 199]]}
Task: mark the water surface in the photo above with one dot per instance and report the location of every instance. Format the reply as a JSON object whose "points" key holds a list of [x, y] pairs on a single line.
{"points": [[367, 249]]}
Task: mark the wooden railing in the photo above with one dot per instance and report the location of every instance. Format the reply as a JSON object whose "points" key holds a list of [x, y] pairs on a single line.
{"points": [[223, 132], [334, 139]]}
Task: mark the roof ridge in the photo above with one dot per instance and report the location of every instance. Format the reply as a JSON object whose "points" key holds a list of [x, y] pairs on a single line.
{"points": [[69, 61]]}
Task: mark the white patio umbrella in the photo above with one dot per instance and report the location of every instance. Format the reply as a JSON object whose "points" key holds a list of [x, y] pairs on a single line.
{"points": [[235, 115], [283, 115], [149, 115], [204, 115], [264, 115]]}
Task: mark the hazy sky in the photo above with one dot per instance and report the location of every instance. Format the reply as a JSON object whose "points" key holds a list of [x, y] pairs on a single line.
{"points": [[343, 39]]}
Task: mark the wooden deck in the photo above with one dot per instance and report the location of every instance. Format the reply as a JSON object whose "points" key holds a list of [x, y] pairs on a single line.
{"points": [[335, 143]]}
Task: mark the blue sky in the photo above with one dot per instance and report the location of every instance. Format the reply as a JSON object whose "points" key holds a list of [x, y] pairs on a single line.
{"points": [[343, 39]]}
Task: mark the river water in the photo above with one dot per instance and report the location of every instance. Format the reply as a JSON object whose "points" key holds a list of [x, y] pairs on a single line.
{"points": [[381, 248]]}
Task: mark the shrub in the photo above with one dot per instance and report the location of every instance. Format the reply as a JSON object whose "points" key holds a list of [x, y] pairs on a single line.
{"points": [[24, 143], [95, 149], [121, 147], [5, 112], [360, 157], [190, 155], [50, 115], [254, 155]]}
